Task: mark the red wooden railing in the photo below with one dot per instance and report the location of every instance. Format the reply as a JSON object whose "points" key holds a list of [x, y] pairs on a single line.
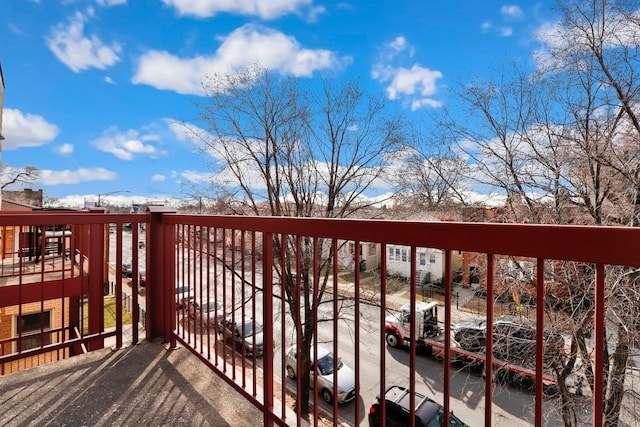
{"points": [[233, 262]]}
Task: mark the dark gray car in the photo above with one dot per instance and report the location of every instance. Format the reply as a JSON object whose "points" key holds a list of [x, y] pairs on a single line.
{"points": [[397, 404]]}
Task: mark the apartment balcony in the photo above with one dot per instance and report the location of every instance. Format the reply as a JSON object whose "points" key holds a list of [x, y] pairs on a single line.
{"points": [[270, 285]]}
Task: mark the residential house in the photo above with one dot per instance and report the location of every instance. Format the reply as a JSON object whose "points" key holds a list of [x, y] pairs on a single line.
{"points": [[32, 254], [429, 261]]}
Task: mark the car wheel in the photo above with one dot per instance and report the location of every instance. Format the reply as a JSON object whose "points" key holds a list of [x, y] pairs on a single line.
{"points": [[291, 373], [326, 395], [393, 340]]}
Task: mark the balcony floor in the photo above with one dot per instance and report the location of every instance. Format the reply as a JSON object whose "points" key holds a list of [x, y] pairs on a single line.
{"points": [[139, 385]]}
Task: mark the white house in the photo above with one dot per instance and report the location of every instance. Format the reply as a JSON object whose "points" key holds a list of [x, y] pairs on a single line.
{"points": [[429, 261]]}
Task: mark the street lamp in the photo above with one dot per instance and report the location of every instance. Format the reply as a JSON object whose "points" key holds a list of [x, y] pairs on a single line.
{"points": [[101, 196]]}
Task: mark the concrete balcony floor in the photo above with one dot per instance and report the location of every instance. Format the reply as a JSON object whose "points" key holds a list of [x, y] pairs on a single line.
{"points": [[139, 385]]}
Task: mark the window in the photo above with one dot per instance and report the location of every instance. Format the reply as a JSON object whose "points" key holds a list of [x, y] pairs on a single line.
{"points": [[432, 258], [29, 327], [423, 259], [398, 254]]}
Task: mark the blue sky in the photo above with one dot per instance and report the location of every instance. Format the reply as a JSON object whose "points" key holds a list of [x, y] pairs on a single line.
{"points": [[94, 87]]}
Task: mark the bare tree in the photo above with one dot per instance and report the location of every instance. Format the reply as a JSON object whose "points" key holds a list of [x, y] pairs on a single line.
{"points": [[596, 42], [24, 176], [555, 144], [431, 174], [280, 148]]}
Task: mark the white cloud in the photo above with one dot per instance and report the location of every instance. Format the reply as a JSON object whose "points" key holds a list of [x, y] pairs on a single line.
{"points": [[399, 44], [125, 145], [409, 81], [511, 12], [486, 26], [425, 102], [416, 85], [506, 31], [111, 2], [183, 132], [64, 149], [244, 47], [77, 51], [14, 29], [50, 177], [269, 9], [158, 178], [196, 177], [26, 130], [109, 80]]}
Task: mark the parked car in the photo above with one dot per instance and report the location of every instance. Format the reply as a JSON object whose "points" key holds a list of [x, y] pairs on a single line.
{"points": [[245, 333], [514, 339], [183, 295], [346, 376], [397, 412], [126, 270], [143, 279], [210, 311]]}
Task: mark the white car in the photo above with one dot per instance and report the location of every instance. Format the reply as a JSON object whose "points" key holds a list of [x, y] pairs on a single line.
{"points": [[346, 376]]}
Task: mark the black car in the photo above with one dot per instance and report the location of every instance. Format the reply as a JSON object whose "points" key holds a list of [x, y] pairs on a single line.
{"points": [[127, 271], [397, 398]]}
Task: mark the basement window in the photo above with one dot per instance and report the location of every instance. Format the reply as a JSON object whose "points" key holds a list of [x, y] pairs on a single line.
{"points": [[31, 328]]}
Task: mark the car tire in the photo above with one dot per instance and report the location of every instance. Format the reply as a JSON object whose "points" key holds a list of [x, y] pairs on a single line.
{"points": [[291, 373], [326, 395], [393, 340]]}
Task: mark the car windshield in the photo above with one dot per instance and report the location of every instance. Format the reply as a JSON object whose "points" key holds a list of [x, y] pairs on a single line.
{"points": [[438, 420], [325, 364], [250, 330]]}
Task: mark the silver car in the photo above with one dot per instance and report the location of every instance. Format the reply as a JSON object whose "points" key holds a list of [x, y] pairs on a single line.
{"points": [[245, 333], [346, 376]]}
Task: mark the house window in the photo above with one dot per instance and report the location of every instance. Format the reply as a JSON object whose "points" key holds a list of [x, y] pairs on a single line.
{"points": [[29, 327], [423, 259], [398, 256], [404, 255], [391, 254], [432, 258]]}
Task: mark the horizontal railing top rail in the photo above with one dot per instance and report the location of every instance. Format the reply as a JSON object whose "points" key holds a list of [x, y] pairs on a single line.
{"points": [[605, 245], [57, 217]]}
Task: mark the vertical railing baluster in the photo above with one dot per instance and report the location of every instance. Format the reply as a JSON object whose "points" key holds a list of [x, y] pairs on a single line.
{"points": [[267, 320], [599, 343]]}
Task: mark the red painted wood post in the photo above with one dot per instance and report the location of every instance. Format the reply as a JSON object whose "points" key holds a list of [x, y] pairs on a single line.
{"points": [[96, 280], [160, 289]]}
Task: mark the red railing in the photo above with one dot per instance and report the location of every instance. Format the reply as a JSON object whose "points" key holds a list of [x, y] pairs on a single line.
{"points": [[284, 274], [238, 263], [56, 271]]}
